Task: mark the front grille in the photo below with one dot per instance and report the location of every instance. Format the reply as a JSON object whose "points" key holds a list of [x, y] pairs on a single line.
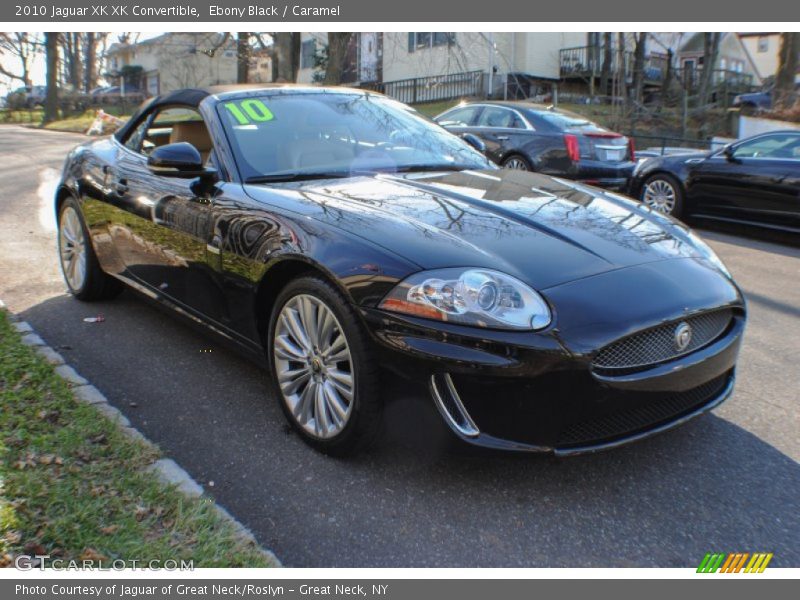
{"points": [[657, 345], [650, 414]]}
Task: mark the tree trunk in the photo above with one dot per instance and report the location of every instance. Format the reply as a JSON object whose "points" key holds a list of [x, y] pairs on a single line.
{"points": [[285, 57], [337, 57], [608, 59], [784, 92], [710, 56], [90, 56], [242, 57], [622, 79], [670, 72], [51, 59], [638, 66]]}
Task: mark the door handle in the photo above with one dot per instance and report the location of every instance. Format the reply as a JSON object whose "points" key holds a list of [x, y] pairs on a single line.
{"points": [[502, 137], [121, 186]]}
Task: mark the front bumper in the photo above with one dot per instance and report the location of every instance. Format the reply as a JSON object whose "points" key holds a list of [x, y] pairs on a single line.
{"points": [[539, 392]]}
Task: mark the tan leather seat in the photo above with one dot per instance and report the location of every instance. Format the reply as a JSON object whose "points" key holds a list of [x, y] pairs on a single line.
{"points": [[195, 133]]}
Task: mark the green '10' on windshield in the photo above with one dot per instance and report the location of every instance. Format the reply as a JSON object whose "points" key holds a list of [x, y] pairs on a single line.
{"points": [[249, 111]]}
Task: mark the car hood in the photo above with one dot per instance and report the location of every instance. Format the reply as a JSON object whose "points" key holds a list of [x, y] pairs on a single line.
{"points": [[544, 230]]}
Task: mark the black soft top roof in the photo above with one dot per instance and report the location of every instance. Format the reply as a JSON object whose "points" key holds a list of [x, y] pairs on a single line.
{"points": [[190, 97]]}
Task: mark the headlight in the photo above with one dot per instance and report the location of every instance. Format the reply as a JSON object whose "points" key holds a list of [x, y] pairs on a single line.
{"points": [[709, 254], [477, 297]]}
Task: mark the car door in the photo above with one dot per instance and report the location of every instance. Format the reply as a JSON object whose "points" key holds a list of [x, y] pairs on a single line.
{"points": [[502, 129], [163, 227], [751, 181]]}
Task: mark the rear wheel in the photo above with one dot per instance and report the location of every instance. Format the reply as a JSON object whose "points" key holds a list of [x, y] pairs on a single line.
{"points": [[517, 163], [664, 194], [79, 265], [325, 377]]}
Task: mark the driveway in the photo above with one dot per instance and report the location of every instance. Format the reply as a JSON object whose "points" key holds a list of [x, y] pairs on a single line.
{"points": [[727, 482]]}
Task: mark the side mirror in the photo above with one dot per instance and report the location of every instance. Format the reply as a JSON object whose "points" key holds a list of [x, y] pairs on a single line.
{"points": [[178, 160], [474, 141], [728, 152]]}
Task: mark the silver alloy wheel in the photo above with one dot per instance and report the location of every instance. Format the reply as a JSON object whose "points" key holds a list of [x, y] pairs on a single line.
{"points": [[72, 248], [314, 366], [660, 195], [516, 164]]}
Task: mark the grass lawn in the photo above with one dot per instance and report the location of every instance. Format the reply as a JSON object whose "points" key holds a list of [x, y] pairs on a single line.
{"points": [[76, 124], [73, 486], [431, 109]]}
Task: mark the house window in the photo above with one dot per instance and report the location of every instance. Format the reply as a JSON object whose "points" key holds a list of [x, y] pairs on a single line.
{"points": [[420, 40], [763, 44], [307, 51]]}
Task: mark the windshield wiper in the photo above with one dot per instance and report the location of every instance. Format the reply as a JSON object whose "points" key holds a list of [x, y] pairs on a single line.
{"points": [[423, 168], [297, 176]]}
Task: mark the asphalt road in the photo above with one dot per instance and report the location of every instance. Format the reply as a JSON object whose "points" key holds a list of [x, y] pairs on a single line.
{"points": [[729, 481]]}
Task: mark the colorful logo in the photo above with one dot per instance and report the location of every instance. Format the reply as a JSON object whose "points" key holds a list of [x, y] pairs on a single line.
{"points": [[735, 562]]}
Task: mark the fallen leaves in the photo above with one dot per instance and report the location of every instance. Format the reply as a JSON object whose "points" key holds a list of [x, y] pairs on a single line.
{"points": [[27, 461], [109, 529], [92, 555], [31, 459], [51, 416]]}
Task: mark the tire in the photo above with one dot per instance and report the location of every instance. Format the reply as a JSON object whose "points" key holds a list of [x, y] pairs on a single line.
{"points": [[83, 275], [663, 193], [315, 401], [517, 162]]}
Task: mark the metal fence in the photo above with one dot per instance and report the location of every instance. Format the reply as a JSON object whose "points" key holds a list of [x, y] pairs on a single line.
{"points": [[431, 89], [664, 144]]}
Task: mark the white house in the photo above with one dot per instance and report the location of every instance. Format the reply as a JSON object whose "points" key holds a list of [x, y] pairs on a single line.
{"points": [[172, 61]]}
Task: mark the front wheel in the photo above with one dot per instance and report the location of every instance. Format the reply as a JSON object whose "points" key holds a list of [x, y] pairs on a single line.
{"points": [[83, 275], [664, 194], [325, 376]]}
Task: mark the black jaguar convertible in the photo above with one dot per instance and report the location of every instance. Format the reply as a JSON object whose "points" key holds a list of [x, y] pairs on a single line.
{"points": [[335, 233]]}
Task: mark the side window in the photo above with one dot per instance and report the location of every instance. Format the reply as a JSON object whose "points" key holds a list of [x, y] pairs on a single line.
{"points": [[134, 141], [459, 117], [772, 146], [497, 116]]}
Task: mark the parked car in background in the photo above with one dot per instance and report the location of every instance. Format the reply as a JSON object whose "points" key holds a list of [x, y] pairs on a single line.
{"points": [[753, 181], [534, 137], [108, 95], [29, 96], [758, 100], [335, 233]]}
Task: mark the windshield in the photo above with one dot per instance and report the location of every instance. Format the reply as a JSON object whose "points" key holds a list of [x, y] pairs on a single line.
{"points": [[337, 134]]}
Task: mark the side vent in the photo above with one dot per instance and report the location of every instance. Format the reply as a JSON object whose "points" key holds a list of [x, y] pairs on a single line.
{"points": [[450, 405]]}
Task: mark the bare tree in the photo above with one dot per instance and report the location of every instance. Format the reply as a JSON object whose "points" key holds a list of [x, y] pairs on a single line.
{"points": [[242, 56], [640, 41], [787, 68], [90, 59], [608, 61], [711, 42], [285, 56], [622, 76], [51, 58], [72, 58], [23, 47], [337, 57]]}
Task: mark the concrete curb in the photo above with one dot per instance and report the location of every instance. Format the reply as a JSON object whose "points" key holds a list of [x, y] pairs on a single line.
{"points": [[166, 469]]}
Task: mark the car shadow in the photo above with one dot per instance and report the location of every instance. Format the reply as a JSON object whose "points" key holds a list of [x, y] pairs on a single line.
{"points": [[767, 240], [422, 498]]}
